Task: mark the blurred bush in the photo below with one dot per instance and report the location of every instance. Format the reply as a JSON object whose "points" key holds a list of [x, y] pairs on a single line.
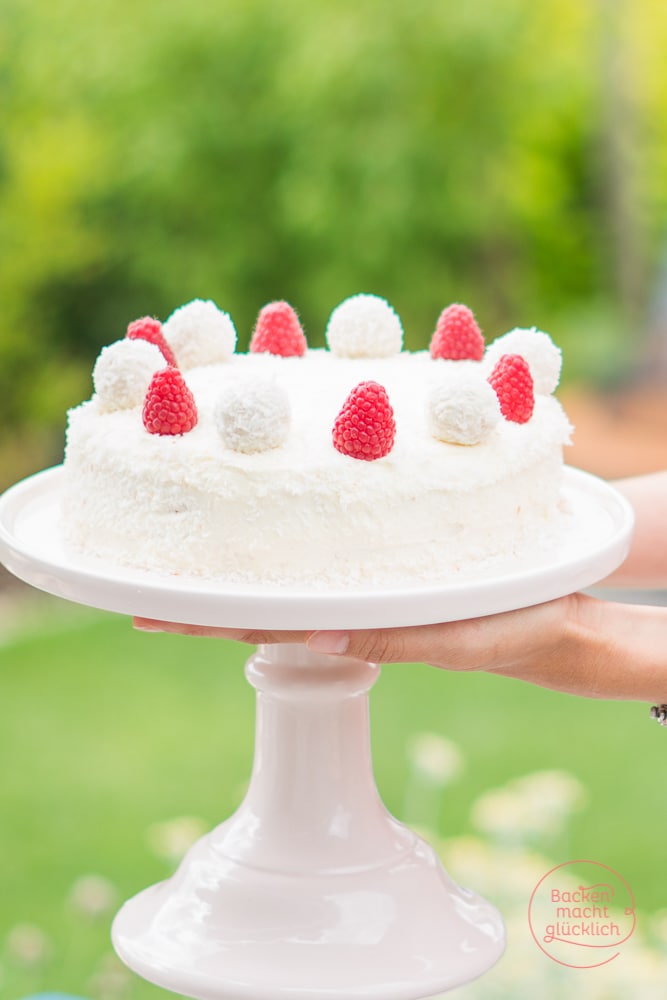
{"points": [[497, 154]]}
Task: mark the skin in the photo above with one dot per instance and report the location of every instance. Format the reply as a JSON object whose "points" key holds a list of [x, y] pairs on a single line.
{"points": [[578, 644]]}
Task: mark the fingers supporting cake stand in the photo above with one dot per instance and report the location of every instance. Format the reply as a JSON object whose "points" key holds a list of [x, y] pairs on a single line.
{"points": [[311, 889]]}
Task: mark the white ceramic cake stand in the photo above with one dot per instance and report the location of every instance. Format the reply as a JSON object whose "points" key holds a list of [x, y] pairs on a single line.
{"points": [[311, 890]]}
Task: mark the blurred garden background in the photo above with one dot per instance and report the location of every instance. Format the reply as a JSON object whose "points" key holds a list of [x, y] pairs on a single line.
{"points": [[512, 156]]}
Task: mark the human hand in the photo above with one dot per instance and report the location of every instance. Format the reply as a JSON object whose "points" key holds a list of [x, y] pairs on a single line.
{"points": [[576, 644], [494, 642], [516, 643]]}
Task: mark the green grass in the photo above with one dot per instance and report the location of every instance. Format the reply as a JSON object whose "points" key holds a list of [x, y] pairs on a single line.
{"points": [[105, 731]]}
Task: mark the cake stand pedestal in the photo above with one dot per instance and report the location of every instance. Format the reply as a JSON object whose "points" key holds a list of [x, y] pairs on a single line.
{"points": [[311, 890]]}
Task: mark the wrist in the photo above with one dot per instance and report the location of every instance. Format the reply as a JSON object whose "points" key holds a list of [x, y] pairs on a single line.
{"points": [[616, 651]]}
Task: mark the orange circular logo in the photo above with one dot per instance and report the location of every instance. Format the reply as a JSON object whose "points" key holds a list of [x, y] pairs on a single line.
{"points": [[580, 913]]}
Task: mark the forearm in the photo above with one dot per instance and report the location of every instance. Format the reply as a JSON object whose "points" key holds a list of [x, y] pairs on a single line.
{"points": [[604, 650], [646, 564]]}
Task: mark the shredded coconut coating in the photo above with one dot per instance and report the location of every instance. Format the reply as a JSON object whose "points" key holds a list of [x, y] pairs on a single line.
{"points": [[364, 326], [462, 407], [302, 514], [537, 349], [253, 416], [200, 334], [123, 372]]}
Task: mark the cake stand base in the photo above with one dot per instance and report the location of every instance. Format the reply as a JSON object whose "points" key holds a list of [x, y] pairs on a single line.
{"points": [[311, 889]]}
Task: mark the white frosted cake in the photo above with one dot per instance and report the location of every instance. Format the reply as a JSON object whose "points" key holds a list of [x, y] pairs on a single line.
{"points": [[360, 465]]}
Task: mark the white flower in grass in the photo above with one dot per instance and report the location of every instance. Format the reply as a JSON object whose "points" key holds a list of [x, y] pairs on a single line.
{"points": [[434, 758], [111, 981], [538, 804], [171, 839], [501, 813], [28, 945], [555, 794], [93, 896], [434, 763]]}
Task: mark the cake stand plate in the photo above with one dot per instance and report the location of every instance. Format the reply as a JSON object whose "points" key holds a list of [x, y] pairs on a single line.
{"points": [[311, 890], [594, 540]]}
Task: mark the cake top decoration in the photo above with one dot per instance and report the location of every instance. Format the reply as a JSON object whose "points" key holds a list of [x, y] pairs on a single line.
{"points": [[465, 398], [317, 470], [364, 326], [200, 334], [150, 329], [169, 407], [462, 408], [253, 416], [122, 373], [513, 383], [457, 336], [538, 349], [278, 331], [365, 428]]}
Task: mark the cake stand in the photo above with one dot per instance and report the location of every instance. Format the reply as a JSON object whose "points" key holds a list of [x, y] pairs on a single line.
{"points": [[311, 890]]}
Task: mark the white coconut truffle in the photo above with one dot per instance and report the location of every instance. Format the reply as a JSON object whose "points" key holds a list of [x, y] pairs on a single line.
{"points": [[123, 371], [364, 326], [462, 408], [537, 349], [253, 416], [200, 334]]}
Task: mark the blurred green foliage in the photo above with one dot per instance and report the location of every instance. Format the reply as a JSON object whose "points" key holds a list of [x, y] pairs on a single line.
{"points": [[245, 150]]}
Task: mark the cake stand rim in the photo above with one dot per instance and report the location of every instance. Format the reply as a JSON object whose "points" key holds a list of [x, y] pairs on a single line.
{"points": [[33, 503]]}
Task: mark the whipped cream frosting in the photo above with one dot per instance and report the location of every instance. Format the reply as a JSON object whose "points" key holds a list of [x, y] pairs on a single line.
{"points": [[299, 512]]}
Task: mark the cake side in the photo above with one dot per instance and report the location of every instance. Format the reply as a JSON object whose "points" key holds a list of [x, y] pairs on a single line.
{"points": [[303, 512]]}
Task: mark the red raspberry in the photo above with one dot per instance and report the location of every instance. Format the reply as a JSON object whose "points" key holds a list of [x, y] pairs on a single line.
{"points": [[278, 331], [169, 407], [457, 336], [150, 329], [365, 427], [513, 384]]}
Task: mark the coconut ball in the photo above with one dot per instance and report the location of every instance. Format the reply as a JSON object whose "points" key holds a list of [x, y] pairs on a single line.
{"points": [[364, 326], [200, 334], [462, 408], [537, 349], [123, 371], [253, 416]]}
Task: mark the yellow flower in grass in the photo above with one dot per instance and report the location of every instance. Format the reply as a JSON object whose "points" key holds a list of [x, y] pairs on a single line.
{"points": [[172, 838], [536, 805]]}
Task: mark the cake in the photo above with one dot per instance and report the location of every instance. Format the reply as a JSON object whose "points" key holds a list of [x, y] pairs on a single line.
{"points": [[356, 465]]}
